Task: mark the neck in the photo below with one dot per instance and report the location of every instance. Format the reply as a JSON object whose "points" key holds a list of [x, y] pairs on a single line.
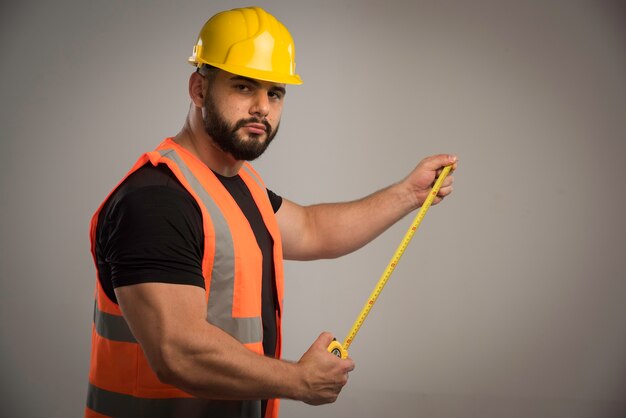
{"points": [[194, 139]]}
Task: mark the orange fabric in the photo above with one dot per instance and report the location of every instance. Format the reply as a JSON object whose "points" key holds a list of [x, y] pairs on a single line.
{"points": [[122, 366]]}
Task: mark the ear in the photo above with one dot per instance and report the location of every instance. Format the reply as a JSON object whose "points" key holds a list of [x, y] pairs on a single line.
{"points": [[196, 89]]}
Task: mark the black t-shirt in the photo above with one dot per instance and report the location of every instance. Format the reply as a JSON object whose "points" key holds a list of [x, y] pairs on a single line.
{"points": [[150, 230]]}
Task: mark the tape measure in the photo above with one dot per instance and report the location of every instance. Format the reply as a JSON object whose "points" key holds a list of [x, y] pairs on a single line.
{"points": [[341, 350]]}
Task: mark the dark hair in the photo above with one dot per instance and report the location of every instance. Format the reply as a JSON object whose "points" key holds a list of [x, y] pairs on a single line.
{"points": [[207, 71]]}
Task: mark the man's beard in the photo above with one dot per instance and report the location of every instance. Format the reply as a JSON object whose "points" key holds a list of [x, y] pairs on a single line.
{"points": [[225, 135]]}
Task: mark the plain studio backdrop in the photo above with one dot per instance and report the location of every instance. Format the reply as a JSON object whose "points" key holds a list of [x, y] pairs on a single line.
{"points": [[510, 300]]}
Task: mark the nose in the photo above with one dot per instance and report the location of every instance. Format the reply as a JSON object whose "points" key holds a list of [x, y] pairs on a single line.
{"points": [[261, 104]]}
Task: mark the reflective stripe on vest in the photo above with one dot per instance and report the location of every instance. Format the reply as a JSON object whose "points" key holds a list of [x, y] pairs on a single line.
{"points": [[121, 380], [112, 327], [124, 406], [220, 306]]}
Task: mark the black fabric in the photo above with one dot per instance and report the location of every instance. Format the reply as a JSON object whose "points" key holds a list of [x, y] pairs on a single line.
{"points": [[150, 230], [240, 192]]}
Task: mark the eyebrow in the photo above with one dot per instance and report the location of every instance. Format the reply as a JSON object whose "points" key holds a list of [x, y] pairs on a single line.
{"points": [[257, 83]]}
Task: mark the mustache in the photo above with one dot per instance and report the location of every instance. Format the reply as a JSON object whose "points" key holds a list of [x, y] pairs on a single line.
{"points": [[243, 122]]}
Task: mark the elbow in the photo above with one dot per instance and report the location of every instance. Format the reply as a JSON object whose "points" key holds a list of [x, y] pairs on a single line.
{"points": [[328, 250], [314, 247], [314, 254], [168, 365], [178, 367], [166, 373]]}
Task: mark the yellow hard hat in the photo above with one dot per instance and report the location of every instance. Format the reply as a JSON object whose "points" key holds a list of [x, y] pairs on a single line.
{"points": [[249, 42]]}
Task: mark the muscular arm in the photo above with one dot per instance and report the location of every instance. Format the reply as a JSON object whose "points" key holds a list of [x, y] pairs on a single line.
{"points": [[335, 229], [186, 351]]}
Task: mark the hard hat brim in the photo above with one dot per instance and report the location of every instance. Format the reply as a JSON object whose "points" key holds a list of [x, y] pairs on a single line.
{"points": [[251, 72]]}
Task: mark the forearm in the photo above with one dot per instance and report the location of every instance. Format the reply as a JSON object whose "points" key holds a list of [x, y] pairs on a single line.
{"points": [[184, 350], [332, 230], [209, 363], [337, 229]]}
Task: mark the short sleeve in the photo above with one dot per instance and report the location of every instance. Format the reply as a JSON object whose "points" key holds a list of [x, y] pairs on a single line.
{"points": [[275, 200], [154, 234]]}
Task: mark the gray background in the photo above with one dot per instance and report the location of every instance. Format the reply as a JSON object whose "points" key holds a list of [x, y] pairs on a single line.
{"points": [[510, 301]]}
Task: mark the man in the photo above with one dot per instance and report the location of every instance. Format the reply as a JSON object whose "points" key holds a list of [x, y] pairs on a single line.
{"points": [[189, 248]]}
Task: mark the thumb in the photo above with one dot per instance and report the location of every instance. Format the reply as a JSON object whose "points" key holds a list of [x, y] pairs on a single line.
{"points": [[435, 162]]}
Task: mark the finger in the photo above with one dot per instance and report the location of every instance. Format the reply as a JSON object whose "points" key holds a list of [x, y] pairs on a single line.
{"points": [[444, 192], [324, 339], [448, 181], [348, 365], [446, 186], [436, 162]]}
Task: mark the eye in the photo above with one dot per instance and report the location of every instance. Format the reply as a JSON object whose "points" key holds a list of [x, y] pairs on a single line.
{"points": [[275, 95], [242, 87]]}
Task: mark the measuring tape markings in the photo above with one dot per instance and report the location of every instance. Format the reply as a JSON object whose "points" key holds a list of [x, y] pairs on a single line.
{"points": [[337, 348]]}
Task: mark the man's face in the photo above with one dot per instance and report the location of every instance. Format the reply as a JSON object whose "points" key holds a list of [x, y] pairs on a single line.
{"points": [[242, 115]]}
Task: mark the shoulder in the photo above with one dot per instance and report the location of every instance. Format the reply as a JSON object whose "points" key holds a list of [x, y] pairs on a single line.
{"points": [[147, 177], [150, 230], [151, 191]]}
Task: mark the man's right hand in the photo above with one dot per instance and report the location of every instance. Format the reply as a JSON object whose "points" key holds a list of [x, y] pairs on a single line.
{"points": [[323, 373]]}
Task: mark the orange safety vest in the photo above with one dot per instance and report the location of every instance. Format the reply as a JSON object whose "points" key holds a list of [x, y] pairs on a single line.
{"points": [[121, 382]]}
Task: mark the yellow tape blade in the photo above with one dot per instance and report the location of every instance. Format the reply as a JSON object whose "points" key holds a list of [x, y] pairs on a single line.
{"points": [[396, 257]]}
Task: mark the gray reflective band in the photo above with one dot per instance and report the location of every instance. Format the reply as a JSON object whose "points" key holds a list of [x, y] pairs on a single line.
{"points": [[256, 180], [220, 306], [125, 406], [112, 327]]}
